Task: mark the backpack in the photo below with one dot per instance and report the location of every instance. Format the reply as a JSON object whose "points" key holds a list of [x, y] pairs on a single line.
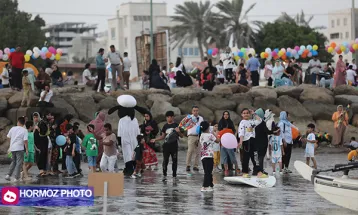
{"points": [[172, 138]]}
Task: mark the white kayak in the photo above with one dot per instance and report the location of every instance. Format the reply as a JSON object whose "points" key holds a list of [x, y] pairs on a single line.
{"points": [[252, 181], [340, 191]]}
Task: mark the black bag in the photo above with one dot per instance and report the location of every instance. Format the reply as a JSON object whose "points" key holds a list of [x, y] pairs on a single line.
{"points": [[171, 140]]}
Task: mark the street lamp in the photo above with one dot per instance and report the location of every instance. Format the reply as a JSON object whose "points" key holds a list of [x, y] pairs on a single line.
{"points": [[151, 32]]}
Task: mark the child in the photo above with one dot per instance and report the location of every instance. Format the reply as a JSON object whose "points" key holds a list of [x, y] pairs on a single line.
{"points": [[27, 89], [18, 136], [77, 158], [353, 145], [149, 157], [29, 158], [276, 149], [207, 142], [91, 145], [310, 145], [145, 80], [138, 157], [216, 148], [109, 157], [246, 134], [70, 152], [170, 134]]}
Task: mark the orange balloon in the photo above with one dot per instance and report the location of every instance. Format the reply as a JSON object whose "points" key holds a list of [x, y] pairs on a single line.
{"points": [[266, 55], [333, 44], [48, 54], [303, 55], [339, 51], [284, 57], [276, 57], [306, 51]]}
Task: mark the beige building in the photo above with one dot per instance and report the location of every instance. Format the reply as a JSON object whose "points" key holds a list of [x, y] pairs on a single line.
{"points": [[340, 28], [132, 20]]}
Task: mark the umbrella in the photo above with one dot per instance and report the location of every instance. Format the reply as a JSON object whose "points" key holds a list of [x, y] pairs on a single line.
{"points": [[27, 66]]}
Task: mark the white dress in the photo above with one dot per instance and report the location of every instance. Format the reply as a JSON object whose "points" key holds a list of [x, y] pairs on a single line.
{"points": [[128, 130]]}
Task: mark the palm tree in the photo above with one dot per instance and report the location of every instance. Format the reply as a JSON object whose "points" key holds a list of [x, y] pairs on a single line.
{"points": [[299, 19], [193, 20], [235, 22]]}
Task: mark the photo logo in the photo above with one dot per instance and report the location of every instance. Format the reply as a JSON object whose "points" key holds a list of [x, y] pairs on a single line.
{"points": [[10, 196]]}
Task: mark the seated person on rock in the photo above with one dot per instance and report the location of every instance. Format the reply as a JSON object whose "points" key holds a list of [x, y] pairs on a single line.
{"points": [[87, 78], [326, 78], [42, 79], [45, 97], [56, 76]]}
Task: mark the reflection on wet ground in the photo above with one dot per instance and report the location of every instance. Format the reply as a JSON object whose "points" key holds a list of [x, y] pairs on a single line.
{"points": [[149, 195]]}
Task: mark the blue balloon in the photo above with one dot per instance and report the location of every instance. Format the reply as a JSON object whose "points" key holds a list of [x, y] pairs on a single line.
{"points": [[198, 129], [60, 140], [346, 44], [33, 57], [288, 54], [276, 50], [210, 51], [314, 53], [302, 48], [300, 52], [241, 54], [12, 50], [309, 47], [44, 49], [297, 56]]}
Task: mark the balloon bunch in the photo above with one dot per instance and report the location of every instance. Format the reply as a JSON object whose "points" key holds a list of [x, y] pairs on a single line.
{"points": [[213, 52], [296, 52], [243, 53], [345, 47], [50, 53]]}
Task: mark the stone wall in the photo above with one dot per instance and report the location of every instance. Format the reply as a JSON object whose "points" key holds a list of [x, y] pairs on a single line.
{"points": [[305, 104]]}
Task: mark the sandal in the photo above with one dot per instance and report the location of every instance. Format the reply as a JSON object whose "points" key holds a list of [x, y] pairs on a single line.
{"points": [[42, 174]]}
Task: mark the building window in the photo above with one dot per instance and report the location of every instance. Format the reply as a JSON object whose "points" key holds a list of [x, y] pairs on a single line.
{"points": [[141, 18], [180, 52], [332, 23], [338, 22], [341, 36], [126, 42], [113, 33], [185, 51], [196, 51], [347, 35], [334, 36], [191, 51], [345, 21]]}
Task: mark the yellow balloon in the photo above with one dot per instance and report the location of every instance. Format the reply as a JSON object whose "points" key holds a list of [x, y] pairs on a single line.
{"points": [[262, 54], [355, 46], [315, 47], [330, 49], [27, 58], [236, 58], [343, 48], [280, 53], [58, 57]]}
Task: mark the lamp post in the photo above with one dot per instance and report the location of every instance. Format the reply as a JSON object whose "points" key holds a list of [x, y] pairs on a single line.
{"points": [[151, 32]]}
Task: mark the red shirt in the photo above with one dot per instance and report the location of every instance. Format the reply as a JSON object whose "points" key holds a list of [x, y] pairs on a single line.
{"points": [[17, 60]]}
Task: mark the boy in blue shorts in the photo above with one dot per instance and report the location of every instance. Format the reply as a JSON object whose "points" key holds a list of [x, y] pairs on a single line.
{"points": [[276, 149], [29, 159], [91, 145]]}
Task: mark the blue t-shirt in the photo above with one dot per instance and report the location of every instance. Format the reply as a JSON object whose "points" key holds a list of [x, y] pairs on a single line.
{"points": [[78, 145]]}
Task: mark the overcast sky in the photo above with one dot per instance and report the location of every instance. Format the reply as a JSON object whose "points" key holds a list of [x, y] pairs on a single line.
{"points": [[56, 11]]}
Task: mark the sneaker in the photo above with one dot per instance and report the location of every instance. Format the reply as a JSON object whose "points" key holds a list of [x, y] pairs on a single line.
{"points": [[148, 168], [264, 172], [238, 172], [196, 169], [164, 178], [203, 189], [133, 176], [345, 176], [16, 180], [71, 175], [281, 172], [262, 176], [76, 174], [188, 168], [27, 179], [7, 178], [246, 175], [226, 172], [273, 173], [209, 189], [288, 171], [139, 175], [218, 169]]}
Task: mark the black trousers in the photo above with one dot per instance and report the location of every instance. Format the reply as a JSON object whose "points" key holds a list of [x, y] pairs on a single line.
{"points": [[41, 158], [269, 81], [167, 153], [63, 161], [16, 77], [77, 161], [261, 156], [101, 77], [208, 165], [229, 75], [255, 77], [129, 168], [286, 158]]}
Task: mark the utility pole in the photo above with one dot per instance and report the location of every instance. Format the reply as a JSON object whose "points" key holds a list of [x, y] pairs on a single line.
{"points": [[354, 28], [151, 32]]}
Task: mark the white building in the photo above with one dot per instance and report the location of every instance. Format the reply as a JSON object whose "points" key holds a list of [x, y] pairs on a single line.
{"points": [[62, 34], [340, 28], [132, 20]]}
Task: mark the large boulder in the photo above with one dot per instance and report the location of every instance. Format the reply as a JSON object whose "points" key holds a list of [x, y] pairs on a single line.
{"points": [[3, 105], [5, 126], [84, 105], [11, 114], [98, 97], [73, 89], [181, 95], [108, 103], [320, 111], [15, 100], [261, 103], [291, 91], [7, 93], [229, 89], [234, 116], [157, 97], [205, 112], [355, 120], [293, 107], [215, 103], [159, 109], [347, 99], [59, 102], [265, 93], [317, 94], [240, 98], [345, 90], [328, 126]]}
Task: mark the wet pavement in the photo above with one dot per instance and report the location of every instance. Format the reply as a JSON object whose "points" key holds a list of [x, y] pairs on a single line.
{"points": [[149, 195]]}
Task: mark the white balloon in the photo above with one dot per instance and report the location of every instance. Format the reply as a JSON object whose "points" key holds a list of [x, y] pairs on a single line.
{"points": [[268, 50], [37, 54], [29, 52], [52, 57], [5, 57], [36, 49]]}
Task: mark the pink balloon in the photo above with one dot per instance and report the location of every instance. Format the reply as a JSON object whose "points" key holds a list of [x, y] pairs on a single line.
{"points": [[52, 50], [337, 48], [351, 50], [297, 48], [274, 54], [1, 55], [7, 51], [289, 50], [229, 141], [283, 50], [356, 40], [294, 52], [309, 54]]}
